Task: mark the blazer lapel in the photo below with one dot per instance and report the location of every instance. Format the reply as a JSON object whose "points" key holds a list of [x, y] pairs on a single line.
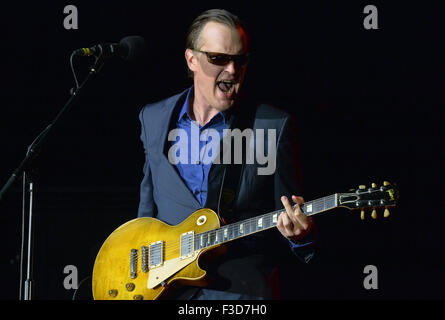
{"points": [[178, 188]]}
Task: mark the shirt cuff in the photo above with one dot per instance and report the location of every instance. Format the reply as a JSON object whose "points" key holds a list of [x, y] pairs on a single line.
{"points": [[305, 251], [299, 244]]}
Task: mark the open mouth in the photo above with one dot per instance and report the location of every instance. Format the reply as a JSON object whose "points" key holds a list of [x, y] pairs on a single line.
{"points": [[226, 86]]}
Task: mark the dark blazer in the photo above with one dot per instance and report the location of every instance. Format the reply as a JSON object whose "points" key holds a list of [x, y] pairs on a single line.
{"points": [[164, 195]]}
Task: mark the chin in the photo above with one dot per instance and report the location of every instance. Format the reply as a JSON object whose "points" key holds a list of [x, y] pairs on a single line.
{"points": [[225, 103]]}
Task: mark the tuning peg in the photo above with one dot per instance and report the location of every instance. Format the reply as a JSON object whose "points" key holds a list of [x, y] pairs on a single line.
{"points": [[362, 215], [362, 187], [374, 214], [373, 185], [386, 213], [386, 183]]}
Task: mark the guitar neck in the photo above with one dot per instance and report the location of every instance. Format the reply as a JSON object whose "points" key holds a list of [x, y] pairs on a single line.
{"points": [[259, 223]]}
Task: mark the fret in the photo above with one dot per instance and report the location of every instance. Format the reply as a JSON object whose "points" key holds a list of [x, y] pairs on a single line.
{"points": [[319, 205], [211, 238], [252, 226], [201, 238], [246, 227], [259, 223], [268, 221], [230, 233], [331, 201]]}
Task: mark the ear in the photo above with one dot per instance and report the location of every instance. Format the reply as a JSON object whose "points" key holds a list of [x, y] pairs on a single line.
{"points": [[191, 60]]}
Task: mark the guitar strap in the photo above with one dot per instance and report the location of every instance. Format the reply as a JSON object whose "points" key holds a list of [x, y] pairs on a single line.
{"points": [[242, 118]]}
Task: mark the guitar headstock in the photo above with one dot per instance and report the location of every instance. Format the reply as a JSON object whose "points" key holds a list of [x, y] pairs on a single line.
{"points": [[370, 198]]}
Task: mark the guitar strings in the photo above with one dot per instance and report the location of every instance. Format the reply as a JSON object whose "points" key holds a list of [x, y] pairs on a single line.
{"points": [[172, 247], [236, 225]]}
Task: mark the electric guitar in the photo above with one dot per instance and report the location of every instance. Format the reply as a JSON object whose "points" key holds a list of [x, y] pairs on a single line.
{"points": [[145, 257]]}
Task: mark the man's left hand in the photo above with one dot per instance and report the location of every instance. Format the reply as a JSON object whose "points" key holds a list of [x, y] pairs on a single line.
{"points": [[293, 223]]}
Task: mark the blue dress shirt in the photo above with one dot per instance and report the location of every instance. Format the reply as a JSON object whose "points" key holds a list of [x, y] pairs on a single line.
{"points": [[195, 171]]}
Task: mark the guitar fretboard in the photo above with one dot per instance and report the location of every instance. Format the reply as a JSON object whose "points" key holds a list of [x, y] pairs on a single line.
{"points": [[259, 223]]}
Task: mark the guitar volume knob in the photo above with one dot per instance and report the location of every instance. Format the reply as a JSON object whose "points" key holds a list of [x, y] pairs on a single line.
{"points": [[130, 286], [112, 293]]}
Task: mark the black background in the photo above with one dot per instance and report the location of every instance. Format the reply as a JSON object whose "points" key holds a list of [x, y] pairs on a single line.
{"points": [[366, 101]]}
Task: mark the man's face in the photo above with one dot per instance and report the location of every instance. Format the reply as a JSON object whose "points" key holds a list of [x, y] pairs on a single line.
{"points": [[217, 86]]}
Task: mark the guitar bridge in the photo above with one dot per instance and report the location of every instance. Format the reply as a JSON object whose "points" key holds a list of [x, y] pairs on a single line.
{"points": [[144, 259]]}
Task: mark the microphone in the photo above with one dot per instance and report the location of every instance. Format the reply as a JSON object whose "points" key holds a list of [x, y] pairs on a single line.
{"points": [[129, 48]]}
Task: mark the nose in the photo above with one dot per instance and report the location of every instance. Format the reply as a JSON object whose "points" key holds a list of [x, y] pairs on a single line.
{"points": [[231, 67]]}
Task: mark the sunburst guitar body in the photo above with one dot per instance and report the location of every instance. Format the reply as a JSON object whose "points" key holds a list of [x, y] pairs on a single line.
{"points": [[123, 269]]}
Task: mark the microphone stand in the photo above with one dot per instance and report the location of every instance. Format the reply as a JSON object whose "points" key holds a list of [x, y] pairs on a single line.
{"points": [[25, 165]]}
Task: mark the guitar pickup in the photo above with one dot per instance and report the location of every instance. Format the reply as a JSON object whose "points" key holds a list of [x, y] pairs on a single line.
{"points": [[187, 248], [156, 254]]}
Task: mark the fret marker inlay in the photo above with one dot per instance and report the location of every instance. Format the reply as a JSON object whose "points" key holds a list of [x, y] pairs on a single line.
{"points": [[275, 218]]}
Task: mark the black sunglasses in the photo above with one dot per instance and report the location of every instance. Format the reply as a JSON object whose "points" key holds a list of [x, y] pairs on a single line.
{"points": [[221, 59]]}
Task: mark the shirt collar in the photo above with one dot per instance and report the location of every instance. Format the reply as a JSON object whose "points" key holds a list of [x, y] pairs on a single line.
{"points": [[185, 111], [184, 108]]}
